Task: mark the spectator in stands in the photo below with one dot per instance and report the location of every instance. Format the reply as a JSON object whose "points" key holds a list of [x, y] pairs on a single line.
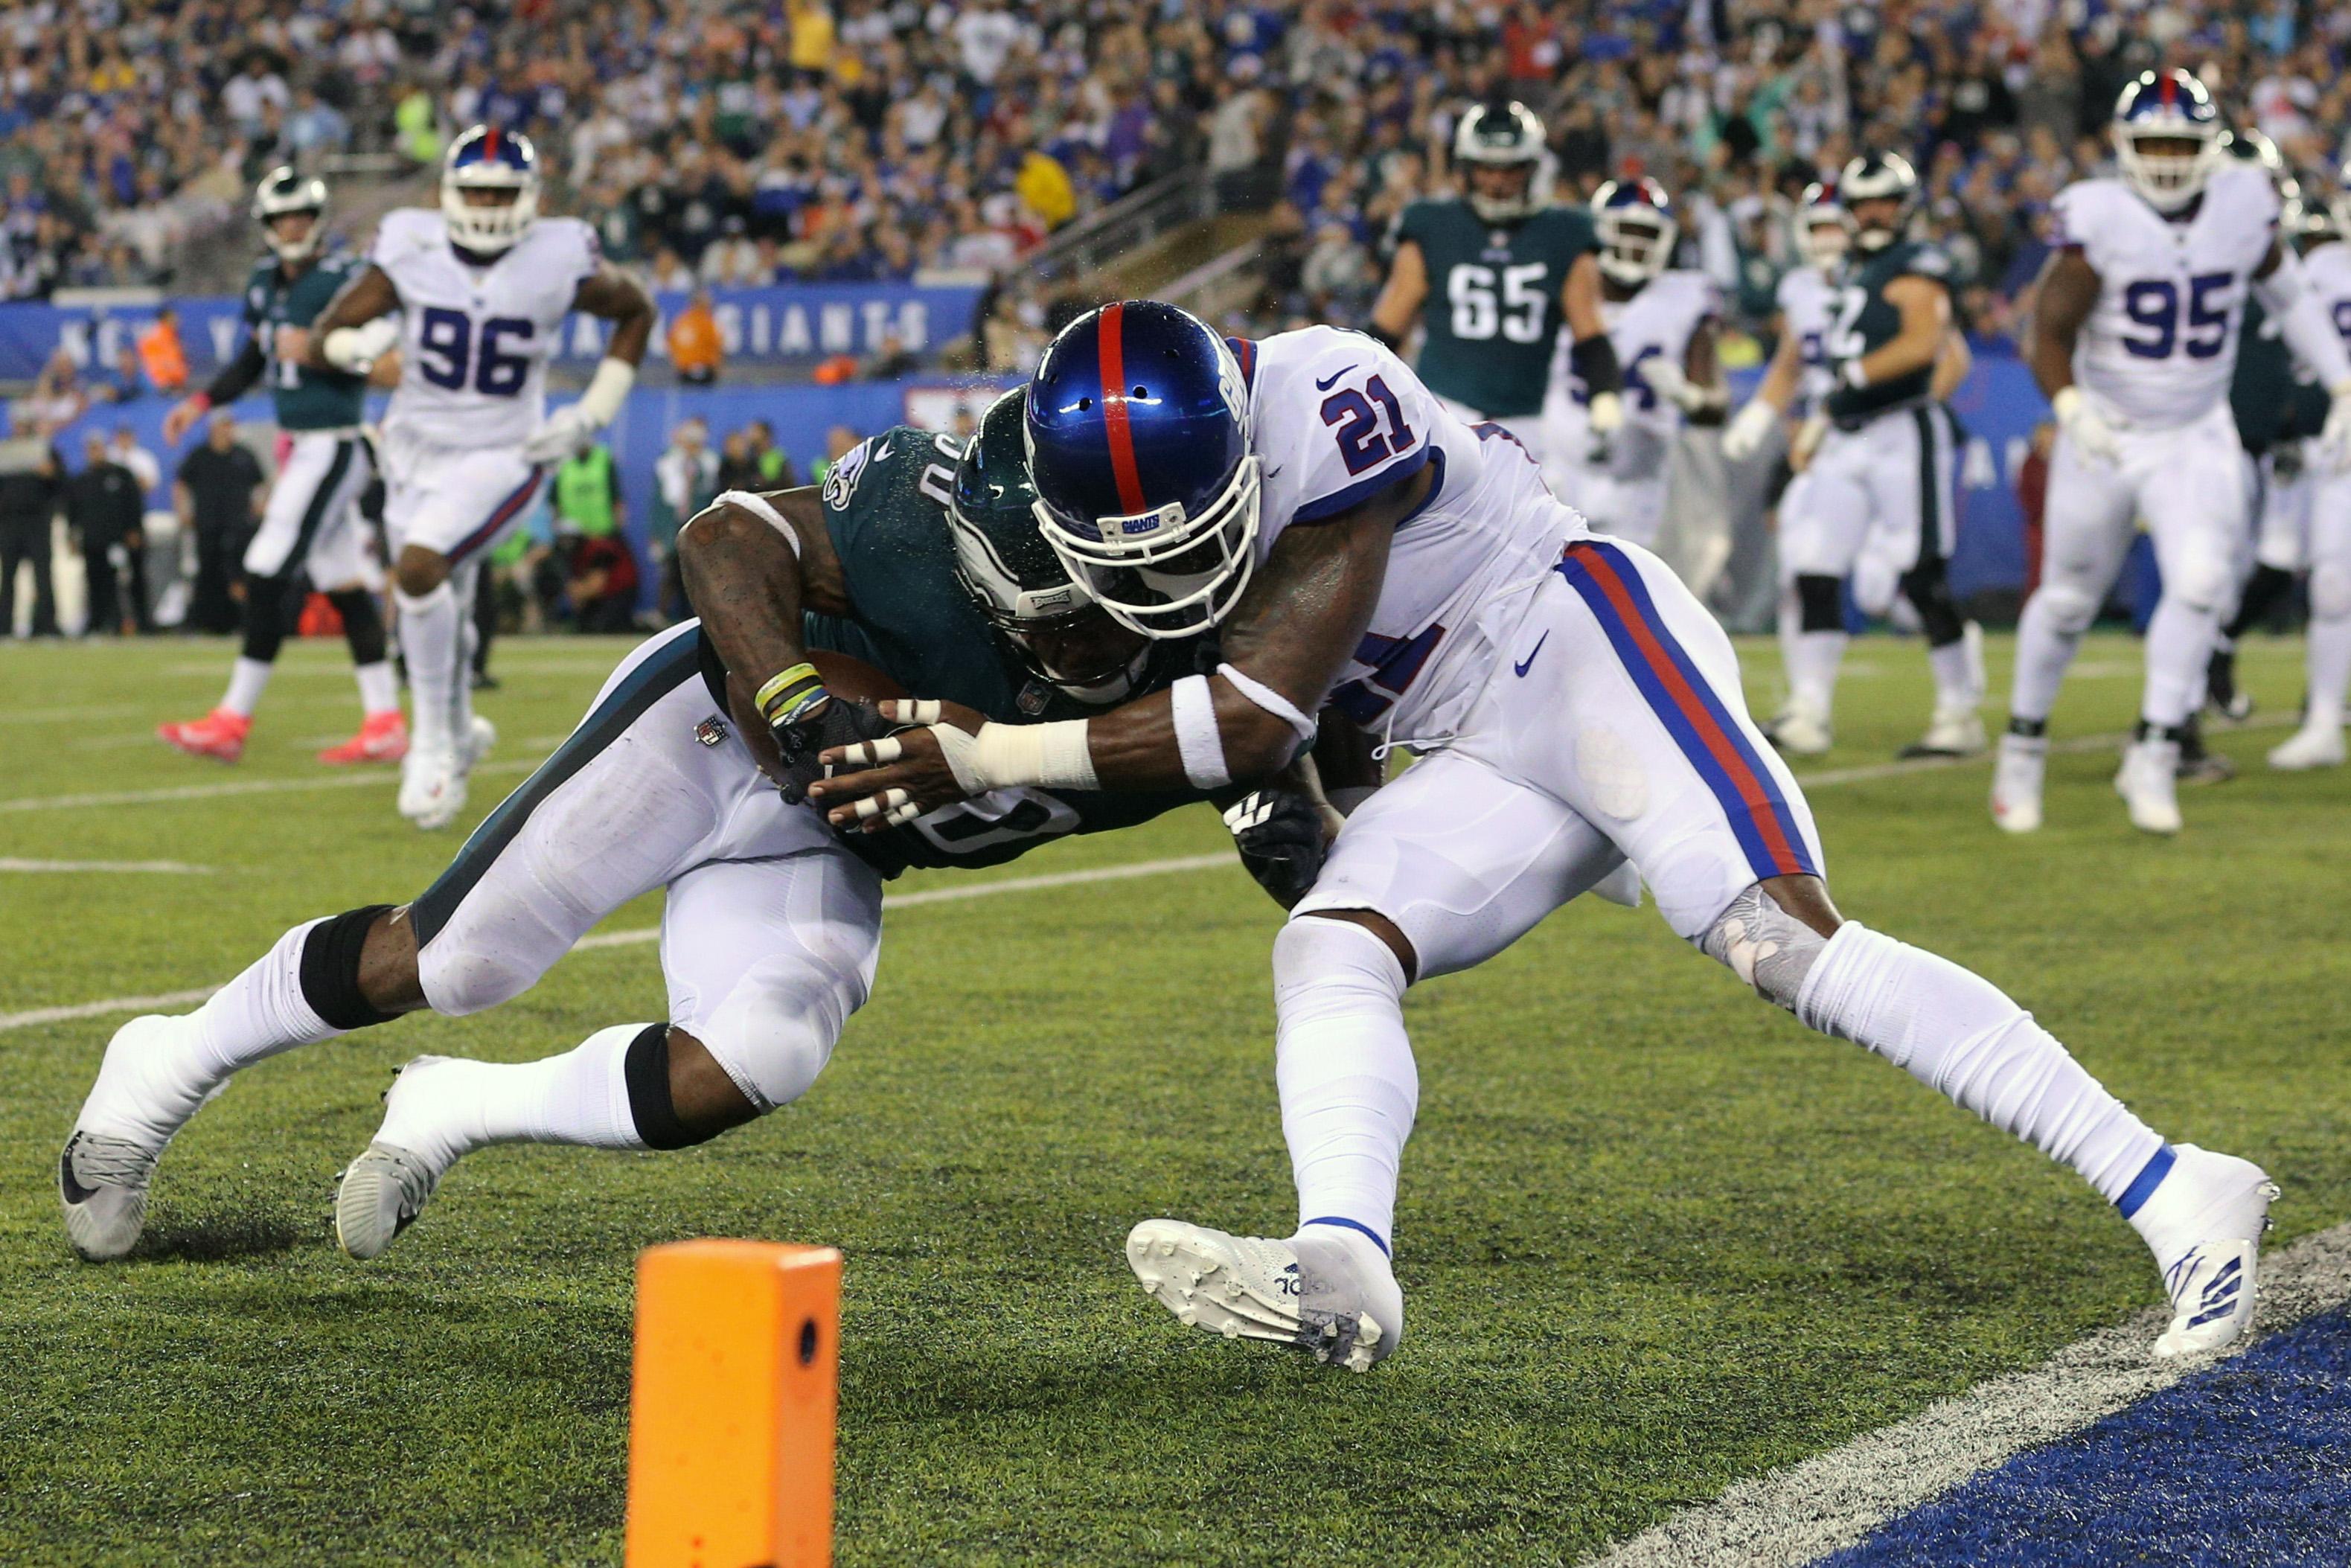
{"points": [[123, 447], [686, 477], [57, 398], [694, 346], [891, 360], [587, 496], [104, 508], [738, 469], [218, 495], [32, 479], [125, 381], [839, 442], [602, 585], [773, 468]]}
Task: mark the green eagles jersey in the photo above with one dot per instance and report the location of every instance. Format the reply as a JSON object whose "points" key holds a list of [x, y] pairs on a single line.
{"points": [[1492, 312], [2269, 404], [1865, 321], [307, 399], [886, 509]]}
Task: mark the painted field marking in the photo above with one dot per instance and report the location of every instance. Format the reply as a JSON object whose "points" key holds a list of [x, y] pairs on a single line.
{"points": [[1794, 1515], [160, 868], [634, 938]]}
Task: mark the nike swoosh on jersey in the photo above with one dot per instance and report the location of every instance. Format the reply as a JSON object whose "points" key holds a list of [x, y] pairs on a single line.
{"points": [[1523, 665], [1321, 385]]}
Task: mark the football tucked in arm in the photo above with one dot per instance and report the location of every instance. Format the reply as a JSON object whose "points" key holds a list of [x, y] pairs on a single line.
{"points": [[848, 679]]}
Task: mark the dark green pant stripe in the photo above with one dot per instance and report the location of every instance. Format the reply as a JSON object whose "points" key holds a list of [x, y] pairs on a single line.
{"points": [[1931, 543], [316, 512], [661, 673]]}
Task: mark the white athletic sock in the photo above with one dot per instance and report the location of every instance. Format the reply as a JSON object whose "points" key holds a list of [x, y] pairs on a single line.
{"points": [[1791, 627], [1349, 1088], [379, 692], [2178, 652], [430, 640], [148, 1095], [1962, 1036], [2043, 652], [1813, 671], [1958, 673], [2329, 663], [467, 580], [247, 679], [442, 1108]]}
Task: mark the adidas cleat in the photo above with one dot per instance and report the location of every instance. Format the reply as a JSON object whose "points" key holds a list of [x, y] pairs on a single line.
{"points": [[2211, 1281], [1309, 1293], [381, 1193], [102, 1182]]}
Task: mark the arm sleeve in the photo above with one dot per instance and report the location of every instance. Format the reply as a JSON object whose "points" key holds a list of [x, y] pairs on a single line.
{"points": [[238, 376], [2301, 318]]}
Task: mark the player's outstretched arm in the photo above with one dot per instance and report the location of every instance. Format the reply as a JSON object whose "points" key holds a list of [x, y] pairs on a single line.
{"points": [[610, 295], [350, 333], [1302, 616], [1400, 297], [236, 379]]}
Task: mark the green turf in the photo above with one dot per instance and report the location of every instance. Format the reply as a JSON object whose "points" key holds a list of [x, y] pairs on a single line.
{"points": [[1656, 1236]]}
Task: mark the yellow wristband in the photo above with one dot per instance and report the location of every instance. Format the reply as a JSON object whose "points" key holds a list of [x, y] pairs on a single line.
{"points": [[794, 681]]}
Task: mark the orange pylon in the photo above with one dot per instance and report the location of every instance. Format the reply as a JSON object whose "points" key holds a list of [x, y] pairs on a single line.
{"points": [[731, 1427]]}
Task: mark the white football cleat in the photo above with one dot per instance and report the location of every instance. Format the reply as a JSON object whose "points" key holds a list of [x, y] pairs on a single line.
{"points": [[2215, 1207], [480, 736], [2149, 782], [1951, 732], [133, 1109], [2016, 778], [385, 1188], [1316, 1292], [1798, 731], [432, 786], [2309, 747]]}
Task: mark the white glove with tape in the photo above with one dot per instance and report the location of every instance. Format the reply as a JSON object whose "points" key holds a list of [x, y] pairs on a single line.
{"points": [[1748, 430], [2087, 429], [356, 350], [572, 430]]}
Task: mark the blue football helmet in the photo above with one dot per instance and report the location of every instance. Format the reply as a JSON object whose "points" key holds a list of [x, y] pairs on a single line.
{"points": [[1635, 221], [1138, 432], [2168, 106], [489, 159], [1821, 234]]}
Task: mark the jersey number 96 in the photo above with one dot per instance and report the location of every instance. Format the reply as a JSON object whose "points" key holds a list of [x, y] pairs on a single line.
{"points": [[446, 352]]}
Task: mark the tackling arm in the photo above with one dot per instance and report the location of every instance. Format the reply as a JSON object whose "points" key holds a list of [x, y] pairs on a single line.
{"points": [[1401, 296], [1289, 638], [350, 333]]}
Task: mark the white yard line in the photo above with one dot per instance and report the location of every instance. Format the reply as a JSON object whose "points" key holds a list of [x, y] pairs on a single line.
{"points": [[160, 868], [1794, 1515], [1169, 867]]}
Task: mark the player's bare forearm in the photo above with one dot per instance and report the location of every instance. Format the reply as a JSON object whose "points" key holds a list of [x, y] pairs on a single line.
{"points": [[1701, 367], [615, 297], [1579, 299], [750, 585], [358, 302], [1952, 365], [1404, 294], [1778, 387], [2063, 298]]}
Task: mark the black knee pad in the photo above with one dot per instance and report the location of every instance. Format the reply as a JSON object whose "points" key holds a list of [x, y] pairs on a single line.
{"points": [[646, 1070], [363, 624], [1820, 603], [330, 969], [1930, 592]]}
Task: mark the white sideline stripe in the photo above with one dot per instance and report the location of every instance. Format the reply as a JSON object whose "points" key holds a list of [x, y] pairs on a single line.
{"points": [[161, 868], [235, 787], [1794, 1515], [653, 934]]}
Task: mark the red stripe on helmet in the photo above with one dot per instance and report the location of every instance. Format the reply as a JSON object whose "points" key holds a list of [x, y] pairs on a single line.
{"points": [[2170, 83], [490, 144], [1108, 333]]}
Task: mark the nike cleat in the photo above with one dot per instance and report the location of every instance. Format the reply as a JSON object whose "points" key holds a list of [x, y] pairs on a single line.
{"points": [[220, 734], [381, 1193], [382, 737], [2222, 1207], [1309, 1293], [2016, 778], [102, 1182], [141, 1099]]}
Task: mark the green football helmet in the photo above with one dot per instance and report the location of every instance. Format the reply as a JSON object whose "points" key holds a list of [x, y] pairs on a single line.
{"points": [[1051, 621]]}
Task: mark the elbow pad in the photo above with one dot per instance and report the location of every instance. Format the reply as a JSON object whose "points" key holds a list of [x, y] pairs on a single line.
{"points": [[1593, 361]]}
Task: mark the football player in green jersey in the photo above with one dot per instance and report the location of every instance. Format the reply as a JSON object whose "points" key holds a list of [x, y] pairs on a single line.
{"points": [[309, 527], [1491, 277]]}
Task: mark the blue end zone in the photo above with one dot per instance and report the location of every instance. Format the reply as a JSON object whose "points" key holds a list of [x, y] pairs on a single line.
{"points": [[2247, 1463]]}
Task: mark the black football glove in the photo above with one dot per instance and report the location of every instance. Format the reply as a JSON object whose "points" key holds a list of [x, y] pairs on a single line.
{"points": [[1280, 835], [839, 722]]}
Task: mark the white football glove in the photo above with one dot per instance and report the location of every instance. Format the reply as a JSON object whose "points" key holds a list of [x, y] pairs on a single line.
{"points": [[566, 432], [357, 349], [1605, 414], [2090, 432], [1745, 435], [2335, 439], [1668, 380]]}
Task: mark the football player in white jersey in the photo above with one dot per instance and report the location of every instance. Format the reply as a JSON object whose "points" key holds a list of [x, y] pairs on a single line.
{"points": [[1876, 501], [2135, 339], [1663, 322], [2321, 542], [482, 288], [1358, 547]]}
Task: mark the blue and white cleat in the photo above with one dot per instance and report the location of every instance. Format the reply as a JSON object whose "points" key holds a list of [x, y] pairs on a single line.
{"points": [[1318, 1291], [2214, 1208]]}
